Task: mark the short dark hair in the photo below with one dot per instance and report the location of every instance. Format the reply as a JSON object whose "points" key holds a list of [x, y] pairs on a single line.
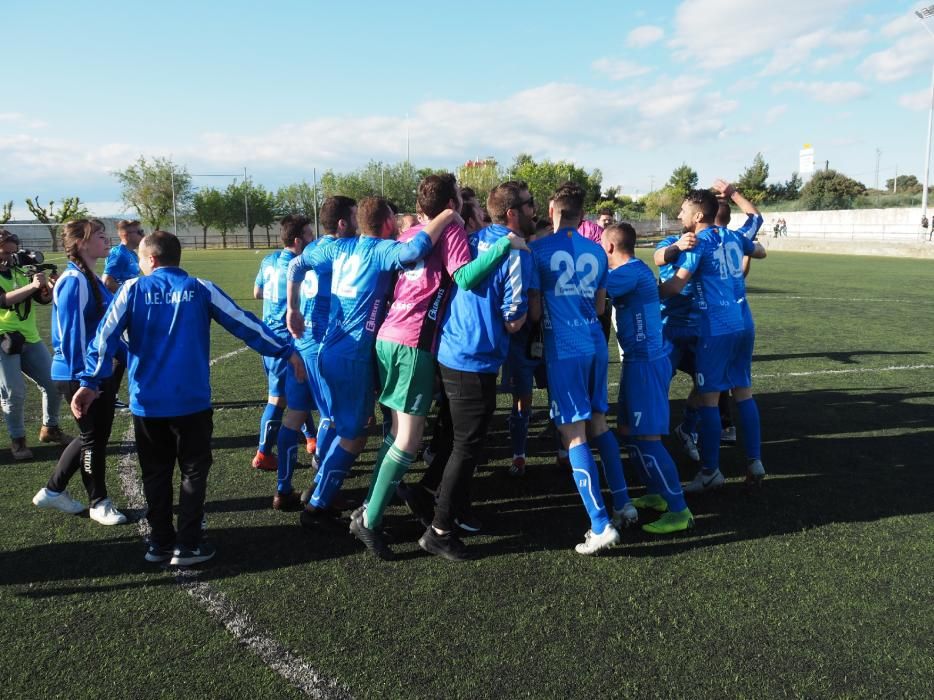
{"points": [[468, 193], [372, 213], [291, 227], [164, 247], [622, 234], [333, 210], [434, 193], [505, 196], [706, 201], [568, 199], [724, 213], [606, 211]]}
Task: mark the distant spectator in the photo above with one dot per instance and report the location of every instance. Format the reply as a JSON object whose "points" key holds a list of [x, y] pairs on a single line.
{"points": [[591, 230], [606, 217]]}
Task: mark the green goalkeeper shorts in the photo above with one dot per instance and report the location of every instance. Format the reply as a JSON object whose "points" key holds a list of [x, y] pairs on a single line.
{"points": [[407, 376]]}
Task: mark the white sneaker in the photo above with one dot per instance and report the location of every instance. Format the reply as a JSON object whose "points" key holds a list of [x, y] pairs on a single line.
{"points": [[62, 501], [594, 543], [705, 482], [728, 436], [428, 456], [755, 472], [626, 517], [688, 442], [105, 513]]}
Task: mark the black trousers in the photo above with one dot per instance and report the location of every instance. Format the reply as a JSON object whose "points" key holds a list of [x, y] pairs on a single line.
{"points": [[470, 399], [88, 451], [160, 442]]}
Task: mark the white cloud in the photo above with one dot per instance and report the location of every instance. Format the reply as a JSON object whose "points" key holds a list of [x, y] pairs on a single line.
{"points": [[831, 92], [911, 52], [800, 51], [17, 119], [719, 33], [619, 69], [775, 113], [917, 100], [645, 35]]}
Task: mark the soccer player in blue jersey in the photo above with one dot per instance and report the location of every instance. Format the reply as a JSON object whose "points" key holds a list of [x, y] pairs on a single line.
{"points": [[680, 321], [167, 316], [568, 294], [745, 406], [474, 343], [270, 286], [713, 265], [643, 412], [362, 271], [338, 218], [122, 264]]}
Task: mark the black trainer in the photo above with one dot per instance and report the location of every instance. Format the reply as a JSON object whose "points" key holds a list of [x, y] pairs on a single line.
{"points": [[372, 538], [157, 553], [321, 520], [468, 521], [447, 545], [189, 556], [419, 501]]}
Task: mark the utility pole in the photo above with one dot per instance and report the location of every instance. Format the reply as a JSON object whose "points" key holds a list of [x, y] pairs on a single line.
{"points": [[878, 158]]}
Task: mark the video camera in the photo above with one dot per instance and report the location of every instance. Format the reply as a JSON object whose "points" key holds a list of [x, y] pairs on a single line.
{"points": [[29, 262]]}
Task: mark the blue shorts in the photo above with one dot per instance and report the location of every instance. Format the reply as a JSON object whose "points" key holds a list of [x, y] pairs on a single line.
{"points": [[304, 396], [347, 392], [741, 371], [519, 370], [577, 389], [276, 371], [717, 360], [683, 342], [643, 397]]}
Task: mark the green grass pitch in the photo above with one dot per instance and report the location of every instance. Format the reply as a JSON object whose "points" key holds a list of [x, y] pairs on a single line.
{"points": [[818, 584]]}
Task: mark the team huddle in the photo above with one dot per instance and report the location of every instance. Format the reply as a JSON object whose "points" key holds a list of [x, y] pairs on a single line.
{"points": [[369, 315]]}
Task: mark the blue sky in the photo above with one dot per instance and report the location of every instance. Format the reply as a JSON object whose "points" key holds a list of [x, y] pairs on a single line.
{"points": [[280, 88]]}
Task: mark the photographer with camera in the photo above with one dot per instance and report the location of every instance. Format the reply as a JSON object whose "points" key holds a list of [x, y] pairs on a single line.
{"points": [[21, 349]]}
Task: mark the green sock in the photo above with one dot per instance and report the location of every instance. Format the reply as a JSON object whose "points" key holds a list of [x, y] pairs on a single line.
{"points": [[380, 458], [394, 467]]}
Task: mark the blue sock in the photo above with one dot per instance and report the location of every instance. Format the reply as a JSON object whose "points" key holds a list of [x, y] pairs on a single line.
{"points": [[608, 446], [326, 435], [709, 438], [649, 480], [749, 420], [518, 431], [661, 468], [587, 481], [308, 428], [269, 427], [287, 445], [334, 469], [689, 420]]}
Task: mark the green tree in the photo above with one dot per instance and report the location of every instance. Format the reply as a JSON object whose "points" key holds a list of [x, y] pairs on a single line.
{"points": [[147, 188], [907, 184], [257, 207], [793, 187], [829, 189], [752, 182], [665, 201], [544, 178], [71, 209], [265, 211], [231, 213], [297, 198], [683, 179], [207, 210], [624, 207], [7, 212], [480, 175]]}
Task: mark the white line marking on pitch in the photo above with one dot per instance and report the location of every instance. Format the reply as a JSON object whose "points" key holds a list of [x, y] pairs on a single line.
{"points": [[785, 297], [290, 666], [227, 355]]}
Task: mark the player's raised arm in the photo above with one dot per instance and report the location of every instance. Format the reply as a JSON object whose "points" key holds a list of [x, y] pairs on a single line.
{"points": [[668, 255]]}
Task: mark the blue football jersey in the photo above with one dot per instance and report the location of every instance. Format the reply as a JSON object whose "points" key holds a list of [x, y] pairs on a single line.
{"points": [[714, 264], [568, 269], [680, 310], [473, 335], [634, 293], [361, 277], [272, 280], [314, 299], [121, 264]]}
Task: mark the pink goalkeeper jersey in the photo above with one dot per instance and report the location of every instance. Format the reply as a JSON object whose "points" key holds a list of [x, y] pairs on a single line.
{"points": [[591, 230], [422, 292]]}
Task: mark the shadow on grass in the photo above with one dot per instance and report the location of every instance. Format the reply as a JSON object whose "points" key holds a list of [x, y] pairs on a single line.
{"points": [[832, 456], [844, 358]]}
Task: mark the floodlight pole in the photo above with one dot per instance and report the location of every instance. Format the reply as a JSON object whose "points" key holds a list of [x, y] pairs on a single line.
{"points": [[174, 211], [246, 206], [314, 194], [921, 15]]}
